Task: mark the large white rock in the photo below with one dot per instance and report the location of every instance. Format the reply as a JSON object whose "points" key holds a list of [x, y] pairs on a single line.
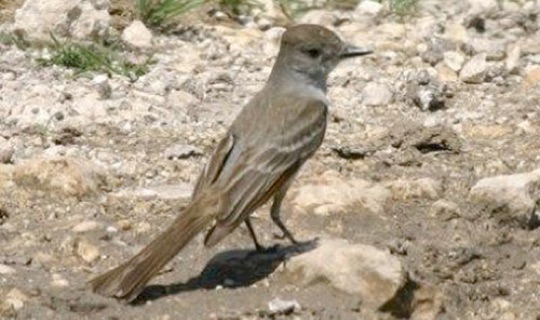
{"points": [[330, 193], [483, 6], [60, 176], [377, 94], [474, 71], [372, 274], [456, 32], [517, 193], [6, 151], [426, 188], [79, 19], [513, 55], [6, 172], [454, 60], [369, 7], [137, 35]]}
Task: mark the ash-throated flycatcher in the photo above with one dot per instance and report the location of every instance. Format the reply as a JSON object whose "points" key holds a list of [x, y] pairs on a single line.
{"points": [[274, 134]]}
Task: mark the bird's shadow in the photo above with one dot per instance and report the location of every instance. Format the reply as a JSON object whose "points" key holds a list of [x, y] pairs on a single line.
{"points": [[230, 269]]}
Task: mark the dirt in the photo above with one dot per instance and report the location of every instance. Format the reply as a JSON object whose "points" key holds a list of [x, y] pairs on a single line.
{"points": [[7, 9], [480, 265]]}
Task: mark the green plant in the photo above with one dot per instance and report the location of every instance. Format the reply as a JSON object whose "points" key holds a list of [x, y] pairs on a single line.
{"points": [[161, 12], [13, 39], [92, 57], [237, 7], [294, 8], [341, 4], [403, 7]]}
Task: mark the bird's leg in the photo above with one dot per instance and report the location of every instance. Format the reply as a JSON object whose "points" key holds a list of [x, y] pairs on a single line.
{"points": [[253, 236], [275, 213]]}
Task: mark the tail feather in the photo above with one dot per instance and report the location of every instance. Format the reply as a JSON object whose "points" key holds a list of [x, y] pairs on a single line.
{"points": [[128, 280]]}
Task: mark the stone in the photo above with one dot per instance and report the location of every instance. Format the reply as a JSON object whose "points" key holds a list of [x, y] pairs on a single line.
{"points": [[102, 86], [513, 195], [376, 94], [182, 151], [534, 267], [273, 35], [322, 17], [445, 74], [513, 55], [181, 192], [86, 251], [86, 226], [331, 194], [425, 27], [6, 310], [474, 71], [16, 298], [44, 259], [181, 98], [59, 281], [91, 108], [503, 309], [484, 7], [532, 76], [137, 35], [6, 151], [413, 136], [494, 49], [124, 224], [61, 176], [264, 23], [416, 301], [111, 229], [269, 10], [423, 188], [425, 91], [279, 306], [357, 269], [392, 30], [35, 107], [6, 172], [525, 127], [428, 303], [369, 7], [444, 210], [456, 32], [531, 45], [433, 54], [4, 269], [142, 227], [79, 19], [454, 60]]}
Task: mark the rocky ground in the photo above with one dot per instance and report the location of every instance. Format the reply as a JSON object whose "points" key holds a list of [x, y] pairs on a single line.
{"points": [[423, 196]]}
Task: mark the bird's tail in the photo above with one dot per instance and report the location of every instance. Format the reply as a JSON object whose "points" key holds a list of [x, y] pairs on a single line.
{"points": [[128, 280]]}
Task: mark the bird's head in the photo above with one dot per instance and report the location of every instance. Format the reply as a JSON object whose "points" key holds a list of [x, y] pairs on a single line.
{"points": [[313, 51]]}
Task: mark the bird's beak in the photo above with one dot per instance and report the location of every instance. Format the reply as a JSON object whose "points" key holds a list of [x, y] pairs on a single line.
{"points": [[353, 51]]}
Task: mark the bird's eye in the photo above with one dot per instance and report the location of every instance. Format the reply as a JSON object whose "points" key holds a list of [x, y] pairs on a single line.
{"points": [[313, 53]]}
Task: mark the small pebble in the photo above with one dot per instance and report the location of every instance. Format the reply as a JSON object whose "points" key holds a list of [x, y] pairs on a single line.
{"points": [[6, 269], [278, 306], [59, 281], [86, 226]]}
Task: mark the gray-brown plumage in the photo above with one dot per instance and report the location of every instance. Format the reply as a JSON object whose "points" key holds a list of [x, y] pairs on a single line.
{"points": [[275, 133]]}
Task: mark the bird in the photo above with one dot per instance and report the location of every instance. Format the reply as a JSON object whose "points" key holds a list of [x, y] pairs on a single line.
{"points": [[258, 158]]}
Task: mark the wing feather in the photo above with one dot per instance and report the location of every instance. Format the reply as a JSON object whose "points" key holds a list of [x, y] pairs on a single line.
{"points": [[214, 165], [261, 170]]}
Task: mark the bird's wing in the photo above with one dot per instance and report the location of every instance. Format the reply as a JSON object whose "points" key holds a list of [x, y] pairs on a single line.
{"points": [[214, 165], [256, 173]]}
